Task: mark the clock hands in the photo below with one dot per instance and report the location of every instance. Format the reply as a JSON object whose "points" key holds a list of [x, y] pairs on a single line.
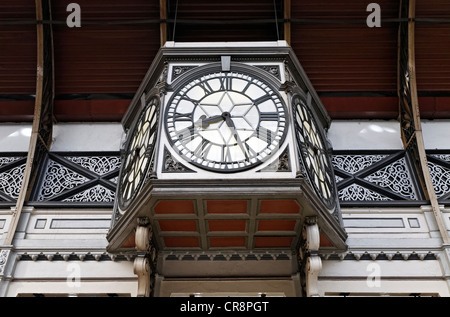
{"points": [[230, 124], [204, 122]]}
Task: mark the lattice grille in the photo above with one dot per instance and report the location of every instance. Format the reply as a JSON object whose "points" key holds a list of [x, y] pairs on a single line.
{"points": [[355, 163], [97, 193], [439, 165], [12, 169], [80, 178], [59, 178], [374, 177], [395, 177], [356, 192], [11, 181]]}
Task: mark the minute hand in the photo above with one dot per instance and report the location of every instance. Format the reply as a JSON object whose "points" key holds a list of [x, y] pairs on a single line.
{"points": [[231, 125]]}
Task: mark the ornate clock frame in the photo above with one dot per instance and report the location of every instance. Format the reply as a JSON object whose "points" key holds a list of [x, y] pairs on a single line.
{"points": [[271, 205]]}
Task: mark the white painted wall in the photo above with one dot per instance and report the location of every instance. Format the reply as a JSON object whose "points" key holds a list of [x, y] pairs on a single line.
{"points": [[15, 137], [66, 137], [87, 137], [73, 277], [436, 134], [365, 135], [384, 135]]}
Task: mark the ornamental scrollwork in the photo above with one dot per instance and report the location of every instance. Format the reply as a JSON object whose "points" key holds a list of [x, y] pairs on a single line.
{"points": [[172, 165], [440, 177], [59, 178], [97, 164], [355, 163], [443, 157], [97, 193], [7, 160], [395, 177], [356, 192], [11, 181]]}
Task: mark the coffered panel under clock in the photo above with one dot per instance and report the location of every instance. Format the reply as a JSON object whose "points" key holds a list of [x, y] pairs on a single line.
{"points": [[223, 224]]}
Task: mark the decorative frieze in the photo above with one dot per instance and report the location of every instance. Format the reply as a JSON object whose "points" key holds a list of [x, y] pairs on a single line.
{"points": [[362, 255], [73, 256]]}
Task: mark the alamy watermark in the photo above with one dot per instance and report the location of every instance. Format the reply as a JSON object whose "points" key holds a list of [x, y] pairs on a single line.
{"points": [[374, 276], [74, 276], [373, 19], [74, 18]]}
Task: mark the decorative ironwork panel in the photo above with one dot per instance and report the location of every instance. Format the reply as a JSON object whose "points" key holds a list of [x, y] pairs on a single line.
{"points": [[12, 168], [395, 177], [338, 178], [59, 178], [439, 166], [114, 179], [356, 192], [11, 181], [7, 160], [97, 193], [80, 178], [97, 164], [441, 179], [374, 177], [443, 157], [355, 163]]}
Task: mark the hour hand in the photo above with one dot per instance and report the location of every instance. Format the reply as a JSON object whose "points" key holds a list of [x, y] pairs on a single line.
{"points": [[204, 121]]}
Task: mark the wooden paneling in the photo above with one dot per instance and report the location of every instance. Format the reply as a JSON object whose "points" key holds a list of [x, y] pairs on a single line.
{"points": [[118, 40], [18, 47]]}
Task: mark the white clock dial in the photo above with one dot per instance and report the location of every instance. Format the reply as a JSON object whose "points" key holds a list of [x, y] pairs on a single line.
{"points": [[226, 121], [313, 152], [138, 153]]}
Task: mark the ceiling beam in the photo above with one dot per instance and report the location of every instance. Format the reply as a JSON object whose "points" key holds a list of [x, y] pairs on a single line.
{"points": [[287, 21], [41, 134], [409, 116], [163, 21]]}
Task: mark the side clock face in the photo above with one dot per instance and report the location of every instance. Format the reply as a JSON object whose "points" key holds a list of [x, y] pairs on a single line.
{"points": [[226, 121], [314, 152], [138, 153]]}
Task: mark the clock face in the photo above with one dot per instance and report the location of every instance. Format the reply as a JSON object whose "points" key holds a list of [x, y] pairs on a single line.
{"points": [[313, 152], [138, 153], [226, 121]]}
